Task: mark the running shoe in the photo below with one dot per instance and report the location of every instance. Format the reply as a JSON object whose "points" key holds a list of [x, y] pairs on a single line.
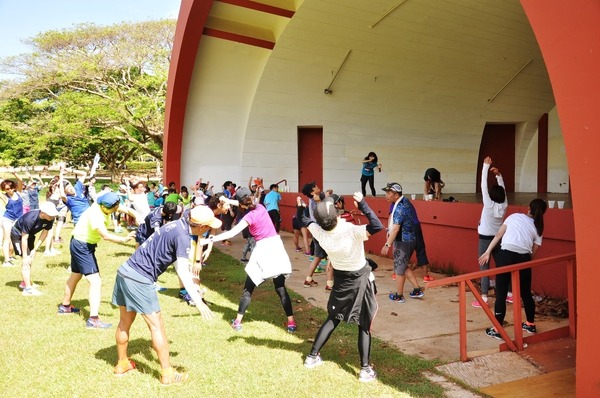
{"points": [[32, 291], [427, 278], [96, 323], [236, 325], [319, 270], [529, 328], [509, 299], [312, 362], [328, 288], [22, 285], [367, 375], [291, 326], [298, 249], [396, 297], [7, 264], [244, 260], [185, 296], [67, 309], [476, 304], [323, 263], [416, 293], [310, 284], [493, 333], [394, 276]]}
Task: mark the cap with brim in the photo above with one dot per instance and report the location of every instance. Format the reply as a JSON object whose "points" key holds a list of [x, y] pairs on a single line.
{"points": [[242, 193], [335, 197], [123, 187], [325, 212], [109, 199], [49, 209], [203, 215], [392, 186]]}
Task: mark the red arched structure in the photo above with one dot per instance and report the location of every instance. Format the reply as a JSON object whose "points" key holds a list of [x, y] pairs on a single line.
{"points": [[569, 38]]}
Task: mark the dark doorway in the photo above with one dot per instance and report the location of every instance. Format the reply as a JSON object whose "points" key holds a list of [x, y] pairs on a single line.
{"points": [[310, 156], [498, 142]]}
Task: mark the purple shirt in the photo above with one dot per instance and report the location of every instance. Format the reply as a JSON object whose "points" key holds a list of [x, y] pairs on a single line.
{"points": [[260, 224]]}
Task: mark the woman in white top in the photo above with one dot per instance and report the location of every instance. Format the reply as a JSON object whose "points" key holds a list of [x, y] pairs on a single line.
{"points": [[492, 214], [352, 297], [521, 236]]}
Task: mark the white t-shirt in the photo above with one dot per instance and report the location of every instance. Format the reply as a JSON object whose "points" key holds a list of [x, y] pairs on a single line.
{"points": [[520, 235], [139, 201], [344, 244]]}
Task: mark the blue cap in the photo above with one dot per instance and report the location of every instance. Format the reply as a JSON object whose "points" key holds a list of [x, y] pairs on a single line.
{"points": [[109, 199]]}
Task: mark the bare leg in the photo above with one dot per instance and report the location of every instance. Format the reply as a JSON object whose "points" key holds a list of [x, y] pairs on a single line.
{"points": [[122, 334], [70, 288], [159, 337]]}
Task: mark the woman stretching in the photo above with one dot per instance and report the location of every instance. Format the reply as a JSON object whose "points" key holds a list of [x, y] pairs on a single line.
{"points": [[352, 297], [521, 236], [268, 259]]}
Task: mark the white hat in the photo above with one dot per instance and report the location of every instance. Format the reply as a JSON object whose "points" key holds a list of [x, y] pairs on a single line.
{"points": [[49, 208]]}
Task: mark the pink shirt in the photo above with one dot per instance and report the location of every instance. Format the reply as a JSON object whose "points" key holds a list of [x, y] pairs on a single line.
{"points": [[260, 223]]}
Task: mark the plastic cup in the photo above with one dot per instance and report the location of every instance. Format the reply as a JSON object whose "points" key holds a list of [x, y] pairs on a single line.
{"points": [[430, 196], [561, 204], [551, 204], [413, 196]]}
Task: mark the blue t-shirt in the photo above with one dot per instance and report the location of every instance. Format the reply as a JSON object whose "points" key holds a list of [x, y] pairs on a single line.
{"points": [[405, 216], [271, 201], [153, 219], [30, 223], [78, 203], [162, 249], [34, 198], [368, 169]]}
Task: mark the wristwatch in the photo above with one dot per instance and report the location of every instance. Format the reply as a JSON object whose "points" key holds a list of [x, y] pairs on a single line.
{"points": [[387, 245]]}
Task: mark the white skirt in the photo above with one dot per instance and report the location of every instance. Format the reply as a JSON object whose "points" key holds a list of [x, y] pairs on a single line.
{"points": [[268, 260]]}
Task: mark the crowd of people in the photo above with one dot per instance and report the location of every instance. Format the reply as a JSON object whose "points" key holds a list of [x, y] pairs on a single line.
{"points": [[180, 225]]}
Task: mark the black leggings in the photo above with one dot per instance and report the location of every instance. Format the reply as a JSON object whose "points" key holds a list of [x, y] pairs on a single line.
{"points": [[364, 340], [503, 281], [363, 184], [279, 283]]}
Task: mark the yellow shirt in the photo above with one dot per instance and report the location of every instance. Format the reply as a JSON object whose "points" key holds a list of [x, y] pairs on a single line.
{"points": [[90, 221]]}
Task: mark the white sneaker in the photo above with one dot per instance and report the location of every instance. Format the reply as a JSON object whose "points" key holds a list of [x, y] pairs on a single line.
{"points": [[367, 375], [7, 264], [55, 252], [32, 291], [22, 285], [48, 253]]}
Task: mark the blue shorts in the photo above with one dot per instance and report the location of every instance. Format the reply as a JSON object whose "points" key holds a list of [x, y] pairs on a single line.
{"points": [[83, 257], [135, 296]]}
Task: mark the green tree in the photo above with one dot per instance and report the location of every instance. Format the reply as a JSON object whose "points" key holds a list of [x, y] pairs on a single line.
{"points": [[88, 89]]}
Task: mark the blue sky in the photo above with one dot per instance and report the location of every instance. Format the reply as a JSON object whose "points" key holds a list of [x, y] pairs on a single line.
{"points": [[21, 19]]}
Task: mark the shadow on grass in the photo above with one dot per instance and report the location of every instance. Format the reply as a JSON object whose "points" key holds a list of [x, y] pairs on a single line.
{"points": [[137, 347]]}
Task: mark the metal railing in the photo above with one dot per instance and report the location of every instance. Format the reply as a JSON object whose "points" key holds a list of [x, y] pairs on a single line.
{"points": [[517, 345]]}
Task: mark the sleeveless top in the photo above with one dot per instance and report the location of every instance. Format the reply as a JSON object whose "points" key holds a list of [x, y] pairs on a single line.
{"points": [[14, 208]]}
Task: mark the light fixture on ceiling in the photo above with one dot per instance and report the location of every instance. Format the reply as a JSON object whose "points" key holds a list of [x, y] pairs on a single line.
{"points": [[387, 13], [328, 89], [511, 79]]}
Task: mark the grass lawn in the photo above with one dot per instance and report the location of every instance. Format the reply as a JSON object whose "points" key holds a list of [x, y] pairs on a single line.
{"points": [[47, 355]]}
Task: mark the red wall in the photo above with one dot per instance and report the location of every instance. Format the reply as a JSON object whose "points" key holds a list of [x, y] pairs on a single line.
{"points": [[450, 231]]}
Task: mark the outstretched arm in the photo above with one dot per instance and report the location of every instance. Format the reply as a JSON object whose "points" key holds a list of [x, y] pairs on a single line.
{"points": [[375, 224]]}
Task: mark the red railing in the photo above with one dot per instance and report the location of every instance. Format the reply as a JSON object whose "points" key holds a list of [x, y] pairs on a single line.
{"points": [[517, 345]]}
